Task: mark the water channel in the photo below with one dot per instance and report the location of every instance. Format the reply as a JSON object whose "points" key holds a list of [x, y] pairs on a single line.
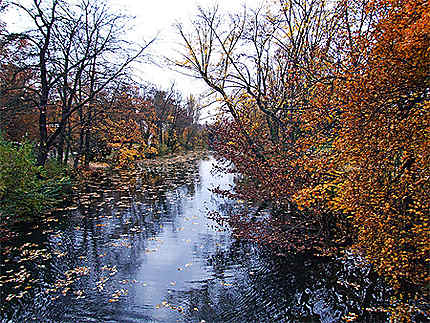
{"points": [[139, 247]]}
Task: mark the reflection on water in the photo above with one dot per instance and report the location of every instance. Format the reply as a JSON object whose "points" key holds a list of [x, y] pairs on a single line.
{"points": [[140, 248]]}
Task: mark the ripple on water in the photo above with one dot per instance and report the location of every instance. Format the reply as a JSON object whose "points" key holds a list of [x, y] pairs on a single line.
{"points": [[140, 248]]}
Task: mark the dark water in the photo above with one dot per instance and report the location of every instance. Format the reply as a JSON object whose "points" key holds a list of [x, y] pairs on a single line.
{"points": [[140, 248]]}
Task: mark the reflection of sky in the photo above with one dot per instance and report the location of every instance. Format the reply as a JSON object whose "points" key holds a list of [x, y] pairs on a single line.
{"points": [[177, 263], [164, 251]]}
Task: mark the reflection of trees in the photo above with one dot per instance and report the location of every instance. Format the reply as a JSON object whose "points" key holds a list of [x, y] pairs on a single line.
{"points": [[109, 240], [251, 284], [119, 243], [246, 283]]}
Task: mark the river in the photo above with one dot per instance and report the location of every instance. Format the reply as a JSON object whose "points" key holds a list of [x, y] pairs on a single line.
{"points": [[139, 247]]}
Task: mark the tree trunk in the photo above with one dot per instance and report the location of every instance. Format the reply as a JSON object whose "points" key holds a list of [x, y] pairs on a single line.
{"points": [[87, 149], [88, 138], [81, 140], [68, 144], [60, 148], [160, 137], [42, 154]]}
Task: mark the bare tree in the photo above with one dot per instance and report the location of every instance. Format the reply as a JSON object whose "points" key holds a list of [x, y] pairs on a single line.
{"points": [[78, 52], [266, 58]]}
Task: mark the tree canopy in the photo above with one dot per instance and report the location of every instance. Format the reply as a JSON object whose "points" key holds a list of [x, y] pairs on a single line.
{"points": [[326, 114]]}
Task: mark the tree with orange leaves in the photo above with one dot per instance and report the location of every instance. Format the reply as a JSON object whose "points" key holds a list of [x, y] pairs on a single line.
{"points": [[377, 170], [328, 110]]}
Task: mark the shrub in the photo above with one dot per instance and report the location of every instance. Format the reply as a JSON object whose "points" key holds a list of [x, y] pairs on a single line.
{"points": [[26, 189]]}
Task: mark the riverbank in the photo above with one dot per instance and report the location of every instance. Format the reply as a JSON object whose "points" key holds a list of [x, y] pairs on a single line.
{"points": [[139, 245], [173, 159], [26, 189], [149, 230]]}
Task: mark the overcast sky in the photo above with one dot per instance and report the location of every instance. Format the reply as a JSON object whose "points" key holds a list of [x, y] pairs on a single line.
{"points": [[154, 18]]}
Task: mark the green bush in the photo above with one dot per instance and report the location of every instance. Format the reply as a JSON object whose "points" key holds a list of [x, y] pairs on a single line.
{"points": [[27, 189]]}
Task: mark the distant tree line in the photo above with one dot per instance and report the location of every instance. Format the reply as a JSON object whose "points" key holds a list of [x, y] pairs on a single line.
{"points": [[66, 85]]}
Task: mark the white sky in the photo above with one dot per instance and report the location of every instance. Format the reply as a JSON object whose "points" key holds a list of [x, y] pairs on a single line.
{"points": [[155, 18]]}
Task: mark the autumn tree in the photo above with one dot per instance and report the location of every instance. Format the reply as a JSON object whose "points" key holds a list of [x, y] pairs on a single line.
{"points": [[262, 68], [78, 51], [165, 102], [17, 119], [187, 125], [123, 124], [326, 109], [376, 172]]}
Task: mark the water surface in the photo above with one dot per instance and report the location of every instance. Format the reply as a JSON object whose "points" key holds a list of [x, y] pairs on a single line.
{"points": [[139, 247]]}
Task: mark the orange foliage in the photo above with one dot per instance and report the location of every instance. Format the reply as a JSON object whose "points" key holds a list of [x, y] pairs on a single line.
{"points": [[355, 154], [125, 129], [377, 169], [17, 116]]}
